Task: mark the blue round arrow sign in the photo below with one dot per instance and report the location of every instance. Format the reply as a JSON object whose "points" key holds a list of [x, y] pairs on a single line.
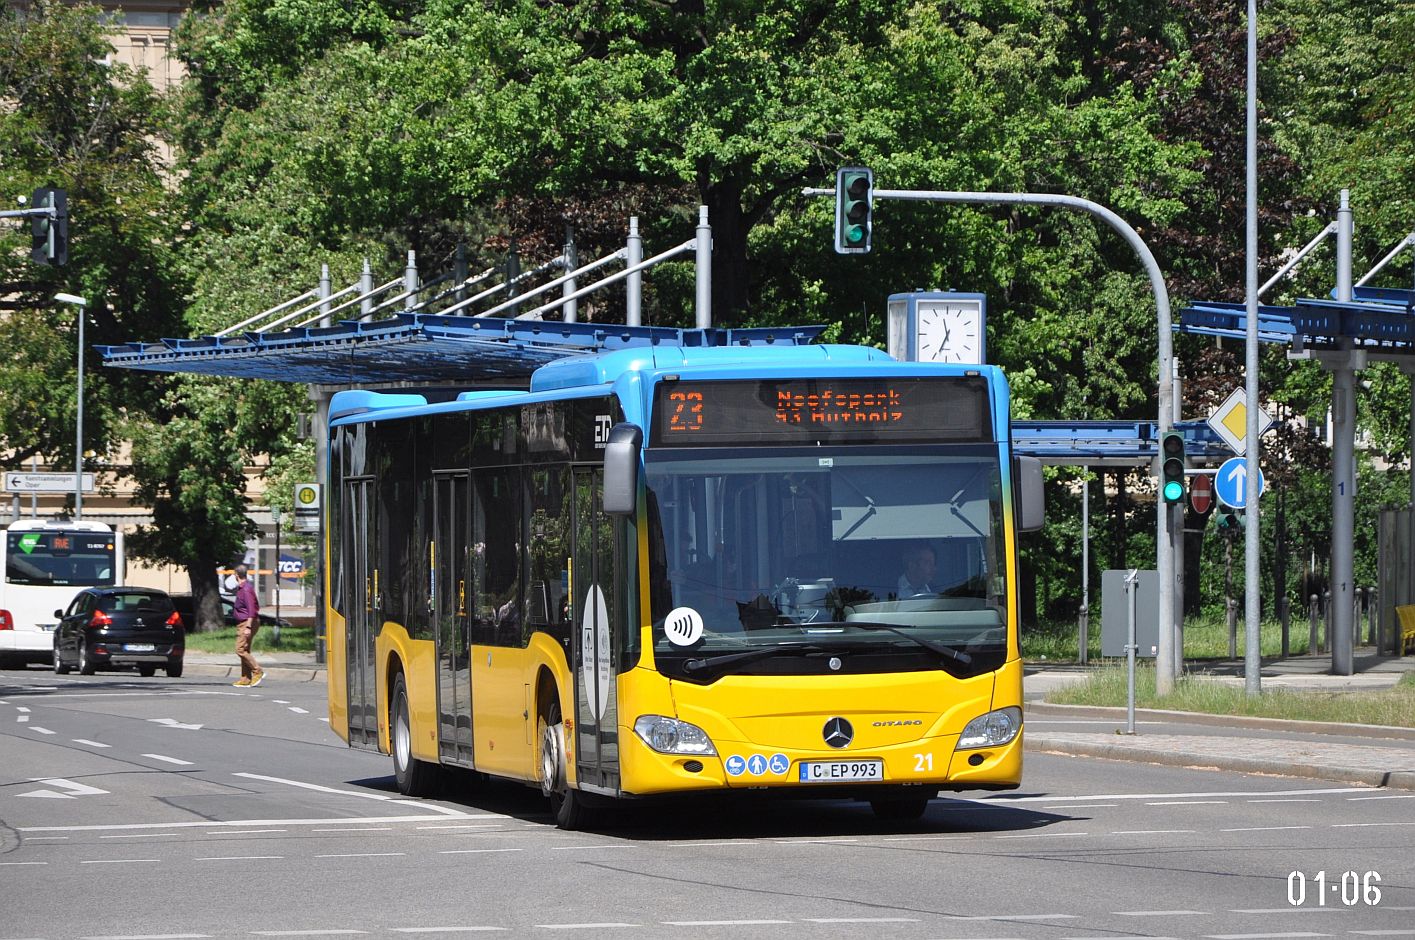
{"points": [[1231, 482]]}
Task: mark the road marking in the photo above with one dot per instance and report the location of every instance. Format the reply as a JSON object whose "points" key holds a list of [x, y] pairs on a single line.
{"points": [[73, 789], [1393, 796], [364, 855], [242, 832], [1087, 806], [240, 858], [280, 701], [1188, 803], [1385, 933], [142, 835], [171, 760], [721, 923], [355, 829], [1290, 910], [583, 926], [1297, 800], [1158, 913], [1013, 917], [1151, 832], [1122, 937], [491, 826], [702, 845], [299, 711], [118, 861], [216, 825], [21, 708], [151, 936], [862, 920], [305, 933], [1260, 936], [993, 800], [1044, 835], [1264, 828], [1351, 825], [475, 851], [444, 929], [24, 863], [578, 848], [369, 796], [174, 723], [90, 743], [22, 718], [38, 730], [926, 839]]}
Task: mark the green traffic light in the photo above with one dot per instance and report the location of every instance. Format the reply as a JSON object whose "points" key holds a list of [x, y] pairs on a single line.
{"points": [[854, 234], [1174, 491]]}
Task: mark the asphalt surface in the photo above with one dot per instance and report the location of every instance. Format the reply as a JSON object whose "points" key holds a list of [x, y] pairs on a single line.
{"points": [[1358, 754]]}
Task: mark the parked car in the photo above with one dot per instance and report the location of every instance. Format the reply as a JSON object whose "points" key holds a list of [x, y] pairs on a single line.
{"points": [[186, 606], [105, 627]]}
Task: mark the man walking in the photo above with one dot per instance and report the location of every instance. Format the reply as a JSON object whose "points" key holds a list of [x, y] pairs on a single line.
{"points": [[247, 613]]}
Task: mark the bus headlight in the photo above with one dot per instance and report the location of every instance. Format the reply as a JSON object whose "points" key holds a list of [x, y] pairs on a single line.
{"points": [[993, 729], [671, 736]]}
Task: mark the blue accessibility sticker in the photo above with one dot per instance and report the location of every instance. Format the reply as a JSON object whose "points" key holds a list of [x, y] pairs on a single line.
{"points": [[756, 765], [778, 764], [735, 765]]}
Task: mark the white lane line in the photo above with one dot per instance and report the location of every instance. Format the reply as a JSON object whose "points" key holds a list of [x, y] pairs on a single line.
{"points": [[1159, 913], [368, 796], [444, 929], [1264, 828], [151, 936], [143, 835], [38, 730], [721, 923], [299, 711], [90, 743], [1151, 832], [928, 839], [355, 829], [993, 800], [1393, 796], [1385, 933], [862, 920], [1260, 936], [215, 824], [46, 838], [171, 760], [21, 709], [491, 826], [1290, 910], [580, 848], [701, 845], [1121, 937], [584, 926], [1013, 917], [1293, 800], [1086, 806], [364, 855], [1044, 835], [240, 858], [118, 861], [281, 701], [1188, 803], [306, 933], [24, 863], [22, 718], [475, 851], [242, 832], [1353, 825]]}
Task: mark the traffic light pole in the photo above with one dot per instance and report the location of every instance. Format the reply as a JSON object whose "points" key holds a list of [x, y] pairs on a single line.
{"points": [[1167, 657]]}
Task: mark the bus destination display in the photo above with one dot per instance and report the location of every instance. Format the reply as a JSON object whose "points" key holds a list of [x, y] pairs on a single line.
{"points": [[904, 410]]}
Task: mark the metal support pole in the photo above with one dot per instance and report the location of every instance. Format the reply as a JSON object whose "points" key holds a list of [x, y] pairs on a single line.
{"points": [[570, 310], [365, 289], [1130, 647], [513, 275], [410, 284], [704, 270], [1084, 632], [1252, 650], [320, 395], [1177, 533], [634, 285], [1343, 462], [1313, 643], [325, 289], [459, 271]]}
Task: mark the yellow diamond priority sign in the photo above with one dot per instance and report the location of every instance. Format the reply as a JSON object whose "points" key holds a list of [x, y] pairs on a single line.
{"points": [[1230, 421]]}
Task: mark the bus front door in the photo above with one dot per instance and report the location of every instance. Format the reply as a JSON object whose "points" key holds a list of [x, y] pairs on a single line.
{"points": [[596, 590], [452, 592], [361, 603]]}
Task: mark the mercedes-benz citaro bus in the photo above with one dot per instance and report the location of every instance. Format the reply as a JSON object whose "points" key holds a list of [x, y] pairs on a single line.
{"points": [[670, 570], [47, 562]]}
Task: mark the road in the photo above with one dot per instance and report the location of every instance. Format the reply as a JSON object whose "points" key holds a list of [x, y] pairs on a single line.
{"points": [[186, 808]]}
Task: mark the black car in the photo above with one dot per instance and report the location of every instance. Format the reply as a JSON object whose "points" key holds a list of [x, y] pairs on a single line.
{"points": [[105, 627], [186, 606]]}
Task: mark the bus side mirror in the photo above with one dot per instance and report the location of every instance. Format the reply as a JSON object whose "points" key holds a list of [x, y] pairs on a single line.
{"points": [[1031, 508], [621, 469]]}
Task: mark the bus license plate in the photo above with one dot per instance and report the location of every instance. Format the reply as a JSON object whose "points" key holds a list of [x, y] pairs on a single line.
{"points": [[832, 771], [140, 647]]}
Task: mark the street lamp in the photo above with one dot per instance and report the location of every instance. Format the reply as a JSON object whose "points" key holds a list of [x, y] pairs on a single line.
{"points": [[82, 304]]}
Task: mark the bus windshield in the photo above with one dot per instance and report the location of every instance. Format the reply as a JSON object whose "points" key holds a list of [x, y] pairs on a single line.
{"points": [[843, 560], [58, 557]]}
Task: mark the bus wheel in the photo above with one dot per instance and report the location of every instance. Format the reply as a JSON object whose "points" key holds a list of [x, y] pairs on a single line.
{"points": [[415, 777], [900, 810], [61, 668], [86, 667], [566, 805]]}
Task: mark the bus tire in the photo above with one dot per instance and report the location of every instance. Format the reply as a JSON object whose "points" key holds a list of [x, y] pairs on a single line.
{"points": [[86, 666], [567, 806], [900, 810], [61, 668], [415, 777]]}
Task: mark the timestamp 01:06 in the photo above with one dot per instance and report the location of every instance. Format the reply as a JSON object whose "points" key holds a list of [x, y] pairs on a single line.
{"points": [[1351, 888]]}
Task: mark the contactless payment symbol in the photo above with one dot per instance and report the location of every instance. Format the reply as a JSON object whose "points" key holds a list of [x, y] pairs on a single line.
{"points": [[756, 764], [735, 765], [778, 764]]}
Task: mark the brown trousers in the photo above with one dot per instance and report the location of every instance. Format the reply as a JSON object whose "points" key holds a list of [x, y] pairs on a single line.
{"points": [[245, 633]]}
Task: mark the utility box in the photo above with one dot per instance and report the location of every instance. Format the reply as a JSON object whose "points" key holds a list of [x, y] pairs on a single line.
{"points": [[1115, 613]]}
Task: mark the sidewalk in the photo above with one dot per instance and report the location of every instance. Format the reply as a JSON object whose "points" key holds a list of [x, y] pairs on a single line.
{"points": [[1361, 754], [298, 667]]}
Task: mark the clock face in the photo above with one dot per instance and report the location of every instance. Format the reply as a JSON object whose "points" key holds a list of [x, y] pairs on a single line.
{"points": [[950, 332]]}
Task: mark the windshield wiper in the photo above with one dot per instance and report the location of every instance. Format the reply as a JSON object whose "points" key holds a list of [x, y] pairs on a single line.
{"points": [[947, 652], [727, 659]]}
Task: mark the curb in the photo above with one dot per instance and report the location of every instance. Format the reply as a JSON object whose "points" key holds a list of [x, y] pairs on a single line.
{"points": [[1402, 780], [291, 673], [1227, 721]]}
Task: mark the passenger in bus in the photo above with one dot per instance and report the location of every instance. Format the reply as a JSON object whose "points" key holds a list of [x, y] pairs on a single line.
{"points": [[919, 575]]}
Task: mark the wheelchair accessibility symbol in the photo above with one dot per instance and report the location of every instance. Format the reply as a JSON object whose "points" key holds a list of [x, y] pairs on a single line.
{"points": [[778, 764]]}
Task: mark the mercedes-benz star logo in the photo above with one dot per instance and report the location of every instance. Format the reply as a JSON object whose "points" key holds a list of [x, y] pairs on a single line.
{"points": [[837, 732]]}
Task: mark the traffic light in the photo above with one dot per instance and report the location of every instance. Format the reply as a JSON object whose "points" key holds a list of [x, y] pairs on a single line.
{"points": [[854, 198], [1230, 520], [1172, 467], [49, 234]]}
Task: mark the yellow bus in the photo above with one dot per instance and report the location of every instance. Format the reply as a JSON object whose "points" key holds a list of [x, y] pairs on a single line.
{"points": [[676, 569]]}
